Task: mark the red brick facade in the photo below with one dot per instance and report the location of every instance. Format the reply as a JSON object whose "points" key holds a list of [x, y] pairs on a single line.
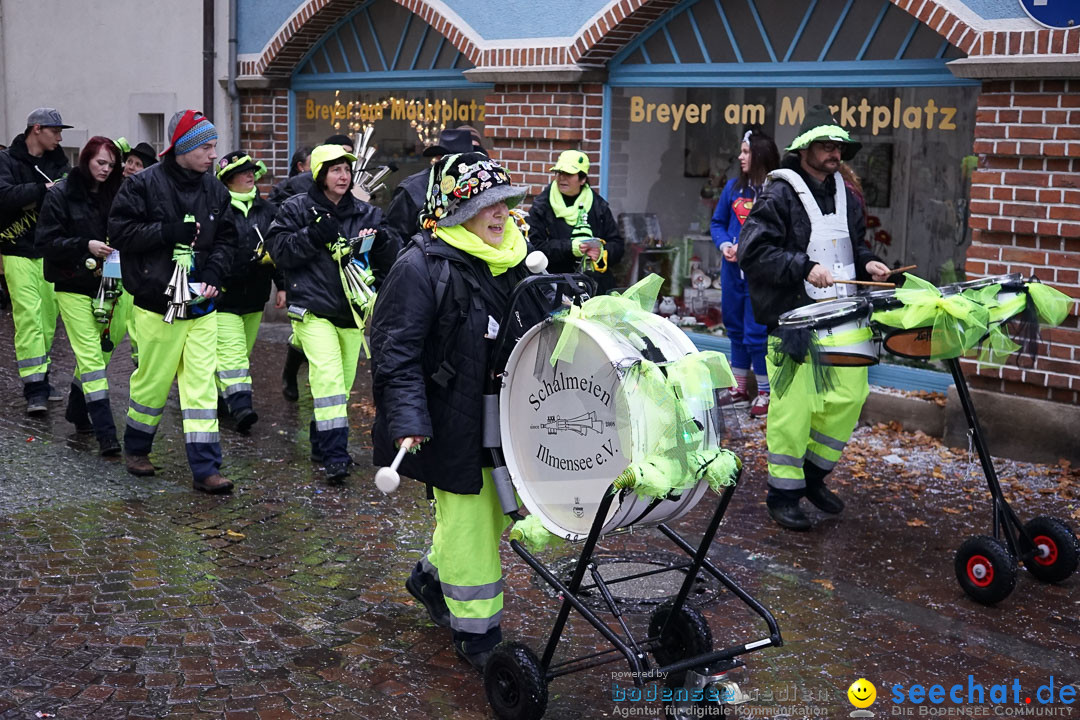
{"points": [[1025, 209]]}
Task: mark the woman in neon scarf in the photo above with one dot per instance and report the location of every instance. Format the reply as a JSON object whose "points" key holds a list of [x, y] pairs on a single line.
{"points": [[433, 327]]}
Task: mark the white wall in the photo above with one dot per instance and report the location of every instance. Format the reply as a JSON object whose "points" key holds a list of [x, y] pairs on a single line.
{"points": [[102, 62]]}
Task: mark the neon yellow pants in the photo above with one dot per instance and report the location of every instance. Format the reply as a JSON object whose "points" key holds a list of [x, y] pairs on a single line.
{"points": [[34, 310], [333, 354], [464, 556], [804, 426], [236, 338], [84, 333]]}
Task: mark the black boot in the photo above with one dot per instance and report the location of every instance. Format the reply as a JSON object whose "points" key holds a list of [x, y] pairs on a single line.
{"points": [[294, 358], [783, 506], [822, 497], [76, 411], [100, 412], [426, 589]]}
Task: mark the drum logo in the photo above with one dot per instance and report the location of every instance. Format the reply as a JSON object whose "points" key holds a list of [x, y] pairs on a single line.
{"points": [[582, 424], [579, 510]]}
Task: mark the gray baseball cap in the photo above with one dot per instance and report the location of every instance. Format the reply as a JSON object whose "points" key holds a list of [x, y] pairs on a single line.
{"points": [[46, 117]]}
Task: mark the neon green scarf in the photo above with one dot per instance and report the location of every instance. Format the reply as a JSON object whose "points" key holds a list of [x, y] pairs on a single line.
{"points": [[570, 213], [498, 259], [242, 201]]}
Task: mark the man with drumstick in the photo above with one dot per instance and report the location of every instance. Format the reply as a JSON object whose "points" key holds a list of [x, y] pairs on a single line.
{"points": [[805, 232]]}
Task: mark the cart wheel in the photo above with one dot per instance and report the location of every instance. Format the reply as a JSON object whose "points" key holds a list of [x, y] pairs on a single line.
{"points": [[1059, 551], [985, 569], [687, 634], [514, 683]]}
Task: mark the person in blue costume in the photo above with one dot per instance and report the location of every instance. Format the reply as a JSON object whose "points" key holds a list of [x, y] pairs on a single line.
{"points": [[758, 156]]}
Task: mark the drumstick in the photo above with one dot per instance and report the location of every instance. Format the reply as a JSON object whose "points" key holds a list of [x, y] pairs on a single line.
{"points": [[387, 478], [903, 269], [868, 283]]}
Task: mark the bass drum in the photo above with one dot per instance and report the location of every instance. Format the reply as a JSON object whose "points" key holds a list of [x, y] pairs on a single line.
{"points": [[560, 425]]}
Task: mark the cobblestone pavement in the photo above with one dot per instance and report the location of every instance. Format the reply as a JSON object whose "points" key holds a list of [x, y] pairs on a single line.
{"points": [[125, 598]]}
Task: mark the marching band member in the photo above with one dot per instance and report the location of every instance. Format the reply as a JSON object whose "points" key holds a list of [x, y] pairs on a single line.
{"points": [[804, 232], [310, 240], [434, 321], [240, 309], [72, 237]]}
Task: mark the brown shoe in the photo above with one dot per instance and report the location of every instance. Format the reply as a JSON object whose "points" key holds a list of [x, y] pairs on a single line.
{"points": [[139, 465], [214, 484]]}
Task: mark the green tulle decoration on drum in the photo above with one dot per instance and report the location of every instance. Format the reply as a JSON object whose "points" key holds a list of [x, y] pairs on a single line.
{"points": [[1051, 304], [531, 532], [956, 322], [997, 346], [660, 476]]}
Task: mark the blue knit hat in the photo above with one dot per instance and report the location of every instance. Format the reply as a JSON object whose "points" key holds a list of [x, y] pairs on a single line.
{"points": [[189, 129]]}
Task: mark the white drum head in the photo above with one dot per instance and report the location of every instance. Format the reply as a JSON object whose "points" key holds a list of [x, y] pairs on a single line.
{"points": [[559, 425]]}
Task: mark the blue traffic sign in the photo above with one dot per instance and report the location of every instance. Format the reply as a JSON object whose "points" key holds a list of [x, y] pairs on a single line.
{"points": [[1060, 14]]}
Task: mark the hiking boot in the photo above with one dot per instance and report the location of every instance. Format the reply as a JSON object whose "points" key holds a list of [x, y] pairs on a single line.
{"points": [[245, 418], [476, 659], [337, 472], [824, 499], [139, 465], [213, 485], [429, 593], [734, 398], [783, 506], [109, 447], [760, 406]]}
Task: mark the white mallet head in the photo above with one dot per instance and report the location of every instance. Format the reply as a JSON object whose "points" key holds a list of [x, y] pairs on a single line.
{"points": [[387, 480], [537, 262]]}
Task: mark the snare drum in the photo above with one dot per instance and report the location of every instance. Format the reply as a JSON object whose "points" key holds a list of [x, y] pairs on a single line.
{"points": [[559, 425], [842, 328], [911, 343], [1012, 285]]}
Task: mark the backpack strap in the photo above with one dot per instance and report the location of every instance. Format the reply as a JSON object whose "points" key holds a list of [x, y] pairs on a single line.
{"points": [[445, 371]]}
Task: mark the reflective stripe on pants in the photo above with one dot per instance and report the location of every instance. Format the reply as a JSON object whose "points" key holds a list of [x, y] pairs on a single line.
{"points": [[236, 337], [34, 310], [332, 354]]}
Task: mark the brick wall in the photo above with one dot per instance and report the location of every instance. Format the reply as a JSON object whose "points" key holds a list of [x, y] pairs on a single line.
{"points": [[1025, 216], [264, 131], [529, 125]]}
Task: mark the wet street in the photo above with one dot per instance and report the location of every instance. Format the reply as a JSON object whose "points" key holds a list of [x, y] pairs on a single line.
{"points": [[139, 598]]}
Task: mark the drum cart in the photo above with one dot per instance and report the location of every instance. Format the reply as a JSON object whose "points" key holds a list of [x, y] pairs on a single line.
{"points": [[986, 565], [679, 638]]}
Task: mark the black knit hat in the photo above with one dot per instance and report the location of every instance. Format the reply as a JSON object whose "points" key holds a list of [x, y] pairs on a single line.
{"points": [[463, 185]]}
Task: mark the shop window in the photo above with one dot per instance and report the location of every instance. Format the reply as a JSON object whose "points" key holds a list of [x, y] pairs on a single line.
{"points": [[152, 127]]}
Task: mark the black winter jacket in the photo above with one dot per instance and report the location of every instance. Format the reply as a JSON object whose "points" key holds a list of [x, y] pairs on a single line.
{"points": [[772, 244], [149, 208], [312, 275], [22, 191], [70, 218], [403, 212], [248, 285], [298, 184], [412, 335], [552, 235]]}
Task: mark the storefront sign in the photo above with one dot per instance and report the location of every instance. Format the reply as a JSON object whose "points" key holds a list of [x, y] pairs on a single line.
{"points": [[858, 114], [445, 111]]}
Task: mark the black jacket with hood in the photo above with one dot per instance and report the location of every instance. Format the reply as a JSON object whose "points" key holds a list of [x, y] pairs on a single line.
{"points": [[290, 187], [70, 218], [22, 191], [313, 281], [772, 244], [552, 235], [248, 285], [147, 220], [414, 333], [403, 212]]}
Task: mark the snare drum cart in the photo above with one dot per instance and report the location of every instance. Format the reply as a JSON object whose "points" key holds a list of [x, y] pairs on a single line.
{"points": [[986, 565], [679, 638]]}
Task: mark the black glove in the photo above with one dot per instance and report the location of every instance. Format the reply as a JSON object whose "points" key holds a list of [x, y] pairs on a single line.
{"points": [[324, 230], [181, 233]]}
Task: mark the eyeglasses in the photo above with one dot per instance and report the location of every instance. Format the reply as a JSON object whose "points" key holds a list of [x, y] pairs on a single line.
{"points": [[830, 147]]}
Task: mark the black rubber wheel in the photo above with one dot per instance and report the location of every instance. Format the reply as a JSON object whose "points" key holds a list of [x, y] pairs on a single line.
{"points": [[1058, 550], [985, 569], [686, 635], [514, 683]]}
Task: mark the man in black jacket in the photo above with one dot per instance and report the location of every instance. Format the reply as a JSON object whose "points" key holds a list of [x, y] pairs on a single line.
{"points": [[176, 214], [574, 226], [805, 232], [32, 164]]}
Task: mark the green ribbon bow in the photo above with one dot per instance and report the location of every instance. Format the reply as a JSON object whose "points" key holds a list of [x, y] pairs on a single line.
{"points": [[957, 323]]}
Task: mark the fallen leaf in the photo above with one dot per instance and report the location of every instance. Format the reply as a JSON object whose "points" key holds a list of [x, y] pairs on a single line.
{"points": [[825, 584], [916, 522], [953, 511], [233, 535]]}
